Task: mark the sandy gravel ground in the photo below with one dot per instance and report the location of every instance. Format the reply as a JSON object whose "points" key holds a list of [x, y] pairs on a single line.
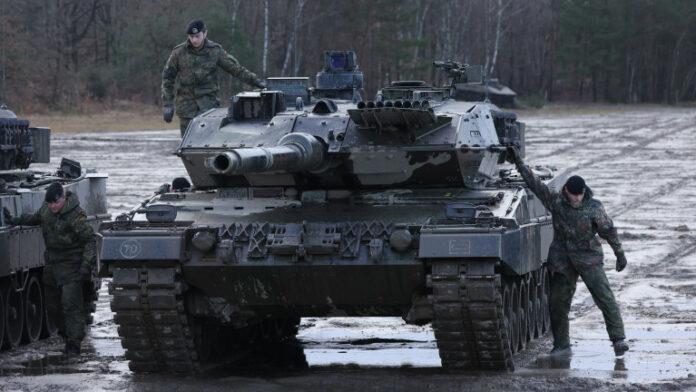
{"points": [[638, 161]]}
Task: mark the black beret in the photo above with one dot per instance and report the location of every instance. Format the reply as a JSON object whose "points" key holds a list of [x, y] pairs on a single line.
{"points": [[195, 26], [575, 185], [53, 192]]}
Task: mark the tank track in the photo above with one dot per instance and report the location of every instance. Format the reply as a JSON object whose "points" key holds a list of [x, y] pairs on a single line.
{"points": [[159, 336], [154, 329], [472, 327]]}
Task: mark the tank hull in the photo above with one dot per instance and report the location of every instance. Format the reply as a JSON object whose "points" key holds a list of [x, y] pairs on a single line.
{"points": [[22, 257], [267, 268]]}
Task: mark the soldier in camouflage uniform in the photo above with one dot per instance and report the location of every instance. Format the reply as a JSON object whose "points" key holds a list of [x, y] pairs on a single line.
{"points": [[576, 251], [190, 75], [70, 252]]}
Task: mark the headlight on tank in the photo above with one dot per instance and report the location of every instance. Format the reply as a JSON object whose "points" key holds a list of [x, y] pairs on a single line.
{"points": [[204, 240], [400, 240]]}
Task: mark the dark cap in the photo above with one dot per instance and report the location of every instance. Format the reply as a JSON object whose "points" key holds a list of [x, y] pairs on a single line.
{"points": [[53, 192], [195, 26], [575, 185]]}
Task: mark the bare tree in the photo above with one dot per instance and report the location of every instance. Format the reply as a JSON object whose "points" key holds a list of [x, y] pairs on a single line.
{"points": [[493, 59], [234, 5], [292, 41], [420, 26], [266, 38]]}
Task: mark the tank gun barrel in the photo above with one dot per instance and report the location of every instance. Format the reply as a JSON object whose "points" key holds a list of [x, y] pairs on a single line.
{"points": [[294, 152]]}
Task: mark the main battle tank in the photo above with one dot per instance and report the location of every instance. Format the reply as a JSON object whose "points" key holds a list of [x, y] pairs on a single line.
{"points": [[23, 316], [403, 206], [472, 89]]}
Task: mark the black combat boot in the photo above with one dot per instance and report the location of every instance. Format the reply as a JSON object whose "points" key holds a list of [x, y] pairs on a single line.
{"points": [[620, 347], [561, 351]]}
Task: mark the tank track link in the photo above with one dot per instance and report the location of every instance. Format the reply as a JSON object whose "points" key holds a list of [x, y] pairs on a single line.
{"points": [[472, 326], [152, 323]]}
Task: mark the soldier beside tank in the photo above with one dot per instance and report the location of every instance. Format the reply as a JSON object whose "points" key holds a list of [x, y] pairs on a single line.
{"points": [[70, 253], [189, 78], [576, 252]]}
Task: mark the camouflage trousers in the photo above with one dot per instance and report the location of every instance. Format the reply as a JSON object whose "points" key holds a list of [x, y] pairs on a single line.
{"points": [[562, 289], [183, 124], [64, 298]]}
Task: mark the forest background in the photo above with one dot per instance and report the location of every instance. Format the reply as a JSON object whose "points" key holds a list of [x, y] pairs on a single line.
{"points": [[70, 55]]}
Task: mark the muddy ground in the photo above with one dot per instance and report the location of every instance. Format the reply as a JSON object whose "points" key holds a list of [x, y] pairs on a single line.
{"points": [[638, 161]]}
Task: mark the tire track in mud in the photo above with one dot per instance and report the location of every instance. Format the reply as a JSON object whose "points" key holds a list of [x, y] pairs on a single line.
{"points": [[648, 197], [631, 131], [632, 148]]}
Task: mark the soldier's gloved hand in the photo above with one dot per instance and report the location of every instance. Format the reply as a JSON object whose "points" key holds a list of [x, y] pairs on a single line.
{"points": [[168, 113], [259, 83], [621, 262], [7, 215]]}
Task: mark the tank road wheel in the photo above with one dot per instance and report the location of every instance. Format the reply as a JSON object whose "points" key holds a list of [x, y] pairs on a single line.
{"points": [[515, 317], [3, 316], [531, 310], [536, 325], [508, 315], [14, 316], [34, 309], [523, 313], [546, 289]]}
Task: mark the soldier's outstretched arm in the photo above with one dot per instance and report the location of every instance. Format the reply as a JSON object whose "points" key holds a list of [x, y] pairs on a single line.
{"points": [[606, 229], [230, 65], [534, 183], [171, 69], [26, 219]]}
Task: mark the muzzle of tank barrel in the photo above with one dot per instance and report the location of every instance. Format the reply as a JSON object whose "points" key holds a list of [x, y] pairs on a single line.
{"points": [[294, 152]]}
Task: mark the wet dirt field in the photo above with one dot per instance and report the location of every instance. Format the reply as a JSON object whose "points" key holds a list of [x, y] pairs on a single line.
{"points": [[638, 161]]}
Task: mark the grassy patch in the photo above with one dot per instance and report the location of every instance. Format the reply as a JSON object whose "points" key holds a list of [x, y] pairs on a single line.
{"points": [[126, 117]]}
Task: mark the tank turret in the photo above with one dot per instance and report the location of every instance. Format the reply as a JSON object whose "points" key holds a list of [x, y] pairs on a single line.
{"points": [[21, 145], [423, 142], [468, 83], [340, 78]]}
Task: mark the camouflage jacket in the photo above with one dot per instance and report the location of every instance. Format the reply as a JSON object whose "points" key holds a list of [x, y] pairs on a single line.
{"points": [[191, 75], [575, 230], [67, 234]]}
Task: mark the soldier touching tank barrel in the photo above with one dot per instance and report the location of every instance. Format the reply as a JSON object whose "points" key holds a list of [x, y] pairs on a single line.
{"points": [[189, 79], [70, 253], [576, 252]]}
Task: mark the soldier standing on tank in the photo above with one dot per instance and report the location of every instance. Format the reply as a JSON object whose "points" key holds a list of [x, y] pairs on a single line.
{"points": [[190, 75], [576, 251], [70, 252]]}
